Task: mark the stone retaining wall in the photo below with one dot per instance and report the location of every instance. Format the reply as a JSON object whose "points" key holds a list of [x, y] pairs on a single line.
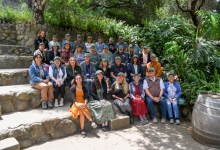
{"points": [[24, 34]]}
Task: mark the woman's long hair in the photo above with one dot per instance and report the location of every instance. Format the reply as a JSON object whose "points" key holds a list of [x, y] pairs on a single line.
{"points": [[38, 35], [97, 83], [101, 64], [77, 64], [124, 85]]}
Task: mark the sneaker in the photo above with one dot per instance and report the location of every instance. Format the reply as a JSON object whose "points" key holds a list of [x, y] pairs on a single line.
{"points": [[163, 120], [178, 122], [93, 125], [107, 128], [44, 104], [56, 103], [61, 103], [171, 121], [142, 121], [50, 104], [83, 133], [146, 121], [155, 120]]}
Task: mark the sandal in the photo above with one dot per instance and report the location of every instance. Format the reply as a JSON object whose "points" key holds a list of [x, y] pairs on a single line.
{"points": [[104, 129], [93, 125]]}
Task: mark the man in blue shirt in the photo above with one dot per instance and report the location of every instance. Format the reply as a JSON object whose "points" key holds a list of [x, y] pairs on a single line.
{"points": [[122, 43], [79, 42], [99, 45]]}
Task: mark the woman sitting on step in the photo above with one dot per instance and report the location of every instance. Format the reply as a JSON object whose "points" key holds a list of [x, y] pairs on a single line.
{"points": [[100, 107], [121, 95], [57, 73], [137, 99], [39, 79], [79, 97]]}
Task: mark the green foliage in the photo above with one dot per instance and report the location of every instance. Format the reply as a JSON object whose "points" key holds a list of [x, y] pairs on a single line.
{"points": [[8, 14]]}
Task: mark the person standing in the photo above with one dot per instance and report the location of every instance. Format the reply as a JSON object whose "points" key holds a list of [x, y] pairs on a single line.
{"points": [[154, 64], [79, 42], [68, 40], [41, 38], [89, 44], [99, 45]]}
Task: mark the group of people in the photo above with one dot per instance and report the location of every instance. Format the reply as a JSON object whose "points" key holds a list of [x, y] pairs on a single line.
{"points": [[93, 70]]}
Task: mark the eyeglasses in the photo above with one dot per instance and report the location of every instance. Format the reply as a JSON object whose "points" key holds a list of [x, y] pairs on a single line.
{"points": [[151, 71]]}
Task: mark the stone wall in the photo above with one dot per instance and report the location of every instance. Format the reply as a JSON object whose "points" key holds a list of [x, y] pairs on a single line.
{"points": [[24, 34]]}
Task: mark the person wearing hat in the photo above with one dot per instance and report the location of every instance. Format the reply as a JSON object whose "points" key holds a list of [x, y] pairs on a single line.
{"points": [[123, 55], [54, 40], [68, 40], [53, 53], [153, 87], [39, 79], [88, 71], [43, 52], [172, 93], [121, 42], [134, 68], [41, 38], [120, 93], [116, 68], [100, 107], [112, 46], [99, 45], [107, 55], [66, 53], [79, 54], [89, 44], [57, 73], [79, 42], [137, 95], [137, 50], [72, 70], [155, 64], [95, 57], [144, 57]]}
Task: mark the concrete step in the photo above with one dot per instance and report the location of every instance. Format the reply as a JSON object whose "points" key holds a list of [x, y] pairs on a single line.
{"points": [[9, 61], [17, 50], [18, 98], [22, 97], [37, 125], [14, 76]]}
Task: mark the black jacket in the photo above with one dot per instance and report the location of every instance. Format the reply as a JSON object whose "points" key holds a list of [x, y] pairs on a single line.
{"points": [[70, 75], [95, 88]]}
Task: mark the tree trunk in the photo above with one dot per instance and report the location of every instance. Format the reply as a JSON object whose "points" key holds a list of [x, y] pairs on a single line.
{"points": [[38, 10]]}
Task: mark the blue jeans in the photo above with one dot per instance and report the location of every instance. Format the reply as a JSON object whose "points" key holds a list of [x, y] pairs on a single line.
{"points": [[163, 107], [173, 106], [88, 83]]}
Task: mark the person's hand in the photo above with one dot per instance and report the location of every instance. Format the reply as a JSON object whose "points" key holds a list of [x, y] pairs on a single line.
{"points": [[156, 99], [103, 101], [46, 81], [173, 100], [45, 50], [138, 98], [57, 83], [61, 83], [121, 99]]}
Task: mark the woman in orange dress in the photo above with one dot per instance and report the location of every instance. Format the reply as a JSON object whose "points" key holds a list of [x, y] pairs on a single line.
{"points": [[79, 107]]}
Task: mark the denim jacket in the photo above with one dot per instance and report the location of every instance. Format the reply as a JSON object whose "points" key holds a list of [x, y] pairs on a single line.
{"points": [[35, 76], [178, 90], [132, 90], [54, 72]]}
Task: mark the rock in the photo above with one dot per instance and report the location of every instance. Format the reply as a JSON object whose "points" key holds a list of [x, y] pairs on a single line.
{"points": [[20, 133], [7, 101], [35, 98], [0, 112], [36, 131], [120, 122], [185, 111], [9, 144], [49, 125], [64, 128]]}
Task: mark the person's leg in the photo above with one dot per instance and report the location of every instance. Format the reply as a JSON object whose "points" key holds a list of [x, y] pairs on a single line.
{"points": [[56, 95], [176, 110], [150, 105], [169, 108], [88, 86], [163, 108], [43, 87], [127, 104], [50, 91], [62, 93], [82, 121], [120, 105]]}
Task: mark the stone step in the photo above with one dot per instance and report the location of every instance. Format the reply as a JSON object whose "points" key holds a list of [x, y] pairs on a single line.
{"points": [[9, 144], [37, 125], [21, 97], [10, 61], [18, 98], [17, 50], [14, 76]]}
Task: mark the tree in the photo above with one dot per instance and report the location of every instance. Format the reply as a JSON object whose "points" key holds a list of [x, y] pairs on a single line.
{"points": [[38, 10], [193, 7]]}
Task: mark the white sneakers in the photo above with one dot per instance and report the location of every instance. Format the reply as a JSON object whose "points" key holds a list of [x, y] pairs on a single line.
{"points": [[61, 103], [56, 104]]}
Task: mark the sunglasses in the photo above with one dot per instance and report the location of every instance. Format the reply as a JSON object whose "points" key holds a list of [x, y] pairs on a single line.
{"points": [[151, 71]]}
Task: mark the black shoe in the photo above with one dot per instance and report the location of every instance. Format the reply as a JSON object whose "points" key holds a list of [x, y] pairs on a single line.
{"points": [[104, 129], [83, 133], [107, 128]]}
